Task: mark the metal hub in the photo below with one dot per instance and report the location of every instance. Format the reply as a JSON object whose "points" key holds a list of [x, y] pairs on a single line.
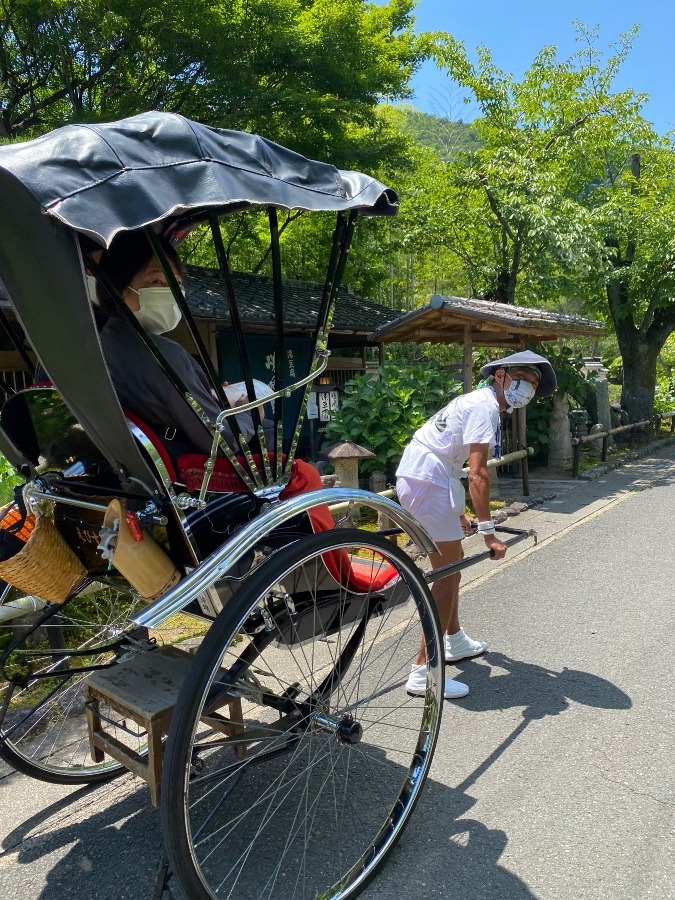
{"points": [[346, 729]]}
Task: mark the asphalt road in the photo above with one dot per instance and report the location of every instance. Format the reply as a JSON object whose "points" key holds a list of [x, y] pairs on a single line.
{"points": [[553, 779]]}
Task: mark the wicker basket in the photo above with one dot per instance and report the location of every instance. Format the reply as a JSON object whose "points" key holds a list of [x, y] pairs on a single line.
{"points": [[46, 567]]}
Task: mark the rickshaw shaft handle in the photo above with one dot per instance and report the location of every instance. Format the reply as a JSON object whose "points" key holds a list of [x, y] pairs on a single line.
{"points": [[451, 568]]}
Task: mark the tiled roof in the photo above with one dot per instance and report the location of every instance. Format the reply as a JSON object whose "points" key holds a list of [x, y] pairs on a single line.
{"points": [[302, 299], [446, 319]]}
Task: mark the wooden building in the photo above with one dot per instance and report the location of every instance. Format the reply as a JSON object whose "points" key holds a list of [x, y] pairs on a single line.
{"points": [[482, 323], [354, 320]]}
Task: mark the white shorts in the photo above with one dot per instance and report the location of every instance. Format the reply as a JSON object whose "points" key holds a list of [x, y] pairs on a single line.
{"points": [[437, 507]]}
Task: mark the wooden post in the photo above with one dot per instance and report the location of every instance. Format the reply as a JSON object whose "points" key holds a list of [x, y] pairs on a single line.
{"points": [[468, 361], [380, 349], [521, 440]]}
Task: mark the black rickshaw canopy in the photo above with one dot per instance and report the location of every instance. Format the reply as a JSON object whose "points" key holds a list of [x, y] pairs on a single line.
{"points": [[155, 169]]}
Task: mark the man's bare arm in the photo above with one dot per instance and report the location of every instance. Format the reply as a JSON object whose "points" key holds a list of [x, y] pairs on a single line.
{"points": [[479, 491]]}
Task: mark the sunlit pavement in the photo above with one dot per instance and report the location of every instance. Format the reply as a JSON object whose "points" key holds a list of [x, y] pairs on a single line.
{"points": [[554, 778]]}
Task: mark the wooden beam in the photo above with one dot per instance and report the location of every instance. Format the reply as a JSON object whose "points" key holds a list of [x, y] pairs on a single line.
{"points": [[12, 361], [424, 334], [468, 377]]}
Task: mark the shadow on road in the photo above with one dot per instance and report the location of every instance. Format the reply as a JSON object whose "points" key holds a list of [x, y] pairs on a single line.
{"points": [[115, 842], [462, 853], [542, 692]]}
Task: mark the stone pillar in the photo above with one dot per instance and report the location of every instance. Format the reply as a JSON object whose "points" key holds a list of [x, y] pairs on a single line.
{"points": [[560, 449], [602, 397], [596, 446]]}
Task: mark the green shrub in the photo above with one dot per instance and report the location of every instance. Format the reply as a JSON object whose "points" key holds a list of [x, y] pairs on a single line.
{"points": [[381, 414], [538, 428], [664, 400], [8, 480]]}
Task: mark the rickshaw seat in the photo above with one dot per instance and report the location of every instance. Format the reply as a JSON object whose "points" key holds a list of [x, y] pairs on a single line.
{"points": [[357, 576], [224, 479]]}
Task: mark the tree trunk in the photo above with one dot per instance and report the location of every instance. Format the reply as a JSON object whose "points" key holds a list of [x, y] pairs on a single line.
{"points": [[639, 381], [639, 354], [639, 348], [639, 342]]}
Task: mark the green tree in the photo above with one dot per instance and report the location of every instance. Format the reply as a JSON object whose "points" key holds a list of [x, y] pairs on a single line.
{"points": [[512, 212], [567, 194], [306, 73], [634, 208]]}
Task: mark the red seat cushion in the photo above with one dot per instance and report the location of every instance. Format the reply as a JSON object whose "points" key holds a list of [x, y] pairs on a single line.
{"points": [[356, 575], [224, 478]]}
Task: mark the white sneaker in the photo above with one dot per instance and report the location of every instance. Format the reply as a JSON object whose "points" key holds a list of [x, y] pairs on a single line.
{"points": [[416, 685], [461, 646]]}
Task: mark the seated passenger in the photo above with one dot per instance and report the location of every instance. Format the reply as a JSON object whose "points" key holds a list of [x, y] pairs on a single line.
{"points": [[141, 385]]}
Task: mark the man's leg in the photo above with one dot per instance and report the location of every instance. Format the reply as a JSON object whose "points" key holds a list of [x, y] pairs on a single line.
{"points": [[446, 597], [445, 591]]}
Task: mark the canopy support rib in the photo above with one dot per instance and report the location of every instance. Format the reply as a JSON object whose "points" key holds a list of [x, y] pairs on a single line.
{"points": [[237, 330], [280, 354]]}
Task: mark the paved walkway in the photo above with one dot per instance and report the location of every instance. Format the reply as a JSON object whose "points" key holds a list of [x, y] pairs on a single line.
{"points": [[554, 778]]}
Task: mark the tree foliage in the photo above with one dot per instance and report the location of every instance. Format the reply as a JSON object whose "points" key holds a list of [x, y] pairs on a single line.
{"points": [[559, 192], [382, 414], [512, 210], [567, 193], [306, 73]]}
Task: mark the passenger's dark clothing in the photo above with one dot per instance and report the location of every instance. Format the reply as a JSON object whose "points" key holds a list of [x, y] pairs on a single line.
{"points": [[143, 388]]}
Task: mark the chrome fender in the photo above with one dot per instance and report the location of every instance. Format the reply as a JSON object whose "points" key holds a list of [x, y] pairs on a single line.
{"points": [[219, 563]]}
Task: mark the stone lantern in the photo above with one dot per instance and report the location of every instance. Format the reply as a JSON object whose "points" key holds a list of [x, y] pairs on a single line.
{"points": [[345, 458]]}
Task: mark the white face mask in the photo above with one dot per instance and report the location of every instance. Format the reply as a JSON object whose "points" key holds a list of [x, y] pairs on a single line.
{"points": [[518, 393], [158, 311]]}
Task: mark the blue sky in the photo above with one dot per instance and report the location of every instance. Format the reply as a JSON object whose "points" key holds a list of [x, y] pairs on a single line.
{"points": [[515, 30]]}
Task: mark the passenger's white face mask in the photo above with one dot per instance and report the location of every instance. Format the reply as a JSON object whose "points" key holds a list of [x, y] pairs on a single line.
{"points": [[158, 311], [518, 393]]}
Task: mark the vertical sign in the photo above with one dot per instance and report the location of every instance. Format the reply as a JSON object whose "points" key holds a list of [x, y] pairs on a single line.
{"points": [[312, 407]]}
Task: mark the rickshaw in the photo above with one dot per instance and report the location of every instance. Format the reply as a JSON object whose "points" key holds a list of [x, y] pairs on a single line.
{"points": [[293, 757]]}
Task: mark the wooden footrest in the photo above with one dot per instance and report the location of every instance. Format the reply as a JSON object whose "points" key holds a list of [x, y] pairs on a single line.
{"points": [[144, 688]]}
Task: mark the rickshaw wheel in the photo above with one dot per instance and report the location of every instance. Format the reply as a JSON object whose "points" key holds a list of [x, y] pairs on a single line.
{"points": [[307, 800], [44, 729]]}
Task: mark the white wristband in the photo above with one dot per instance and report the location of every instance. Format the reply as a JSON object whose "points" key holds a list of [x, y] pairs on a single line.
{"points": [[486, 527]]}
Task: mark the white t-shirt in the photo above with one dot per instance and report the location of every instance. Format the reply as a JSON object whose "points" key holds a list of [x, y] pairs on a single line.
{"points": [[440, 447]]}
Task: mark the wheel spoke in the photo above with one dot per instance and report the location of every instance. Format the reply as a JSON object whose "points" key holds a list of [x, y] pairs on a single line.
{"points": [[315, 817], [44, 731]]}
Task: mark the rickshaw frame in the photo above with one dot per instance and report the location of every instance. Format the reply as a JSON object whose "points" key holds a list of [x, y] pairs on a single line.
{"points": [[70, 193]]}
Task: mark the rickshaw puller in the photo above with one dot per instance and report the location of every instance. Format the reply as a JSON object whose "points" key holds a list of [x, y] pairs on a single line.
{"points": [[428, 485]]}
